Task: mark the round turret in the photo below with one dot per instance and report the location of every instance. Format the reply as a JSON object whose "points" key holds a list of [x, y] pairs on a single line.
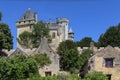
{"points": [[62, 20]]}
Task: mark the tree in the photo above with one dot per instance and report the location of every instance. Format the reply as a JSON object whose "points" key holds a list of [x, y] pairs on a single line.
{"points": [[96, 76], [62, 51], [83, 58], [41, 59], [32, 39], [68, 60], [25, 39], [5, 37], [64, 46], [84, 42], [39, 31], [110, 37], [17, 67]]}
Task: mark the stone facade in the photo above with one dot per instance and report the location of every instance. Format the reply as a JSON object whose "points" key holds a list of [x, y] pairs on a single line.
{"points": [[106, 60], [53, 68], [58, 30]]}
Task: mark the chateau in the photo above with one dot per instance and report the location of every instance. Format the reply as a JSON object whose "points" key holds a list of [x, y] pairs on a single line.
{"points": [[105, 59], [58, 30]]}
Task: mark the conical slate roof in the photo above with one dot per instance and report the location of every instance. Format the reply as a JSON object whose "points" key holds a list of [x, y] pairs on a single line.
{"points": [[70, 30], [28, 15], [44, 47]]}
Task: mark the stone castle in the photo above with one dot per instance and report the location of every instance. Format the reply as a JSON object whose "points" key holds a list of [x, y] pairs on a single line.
{"points": [[58, 30], [105, 59]]}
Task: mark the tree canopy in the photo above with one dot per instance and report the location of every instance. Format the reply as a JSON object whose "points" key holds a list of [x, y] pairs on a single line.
{"points": [[84, 42], [110, 37], [70, 59], [25, 39], [18, 67], [21, 67], [5, 37], [33, 38], [96, 76], [41, 59]]}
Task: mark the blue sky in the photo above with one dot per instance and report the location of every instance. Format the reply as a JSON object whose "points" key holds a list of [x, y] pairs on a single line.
{"points": [[87, 17]]}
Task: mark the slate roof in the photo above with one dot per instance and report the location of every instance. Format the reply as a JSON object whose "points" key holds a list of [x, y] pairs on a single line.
{"points": [[18, 51], [28, 16], [44, 47]]}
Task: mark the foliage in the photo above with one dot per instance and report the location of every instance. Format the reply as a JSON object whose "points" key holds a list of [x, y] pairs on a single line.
{"points": [[84, 42], [68, 60], [41, 59], [96, 76], [25, 39], [32, 39], [83, 58], [5, 37], [62, 49], [18, 67], [68, 77], [110, 37], [39, 31], [64, 46], [58, 77]]}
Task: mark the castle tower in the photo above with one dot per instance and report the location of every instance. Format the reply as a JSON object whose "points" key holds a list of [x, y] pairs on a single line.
{"points": [[26, 22], [63, 23], [70, 35]]}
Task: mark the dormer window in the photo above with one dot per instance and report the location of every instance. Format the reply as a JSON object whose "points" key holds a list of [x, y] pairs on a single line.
{"points": [[108, 62]]}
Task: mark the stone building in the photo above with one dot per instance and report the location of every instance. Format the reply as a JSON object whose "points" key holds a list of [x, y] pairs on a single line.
{"points": [[106, 60], [58, 30]]}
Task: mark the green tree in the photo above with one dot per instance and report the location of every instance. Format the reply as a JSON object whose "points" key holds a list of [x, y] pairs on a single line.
{"points": [[68, 60], [84, 42], [25, 39], [62, 49], [5, 37], [39, 31], [83, 58], [110, 37], [17, 67], [96, 76], [41, 59], [64, 46]]}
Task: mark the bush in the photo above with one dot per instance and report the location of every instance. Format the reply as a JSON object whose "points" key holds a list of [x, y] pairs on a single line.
{"points": [[96, 76]]}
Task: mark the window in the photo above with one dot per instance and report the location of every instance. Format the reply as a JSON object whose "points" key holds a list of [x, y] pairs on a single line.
{"points": [[109, 76], [108, 62], [53, 35], [48, 73]]}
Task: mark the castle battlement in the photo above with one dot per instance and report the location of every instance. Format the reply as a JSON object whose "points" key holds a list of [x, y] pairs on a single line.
{"points": [[27, 22], [62, 20]]}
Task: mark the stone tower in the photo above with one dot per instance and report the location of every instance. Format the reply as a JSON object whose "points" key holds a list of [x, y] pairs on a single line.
{"points": [[70, 35], [26, 22], [63, 29]]}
